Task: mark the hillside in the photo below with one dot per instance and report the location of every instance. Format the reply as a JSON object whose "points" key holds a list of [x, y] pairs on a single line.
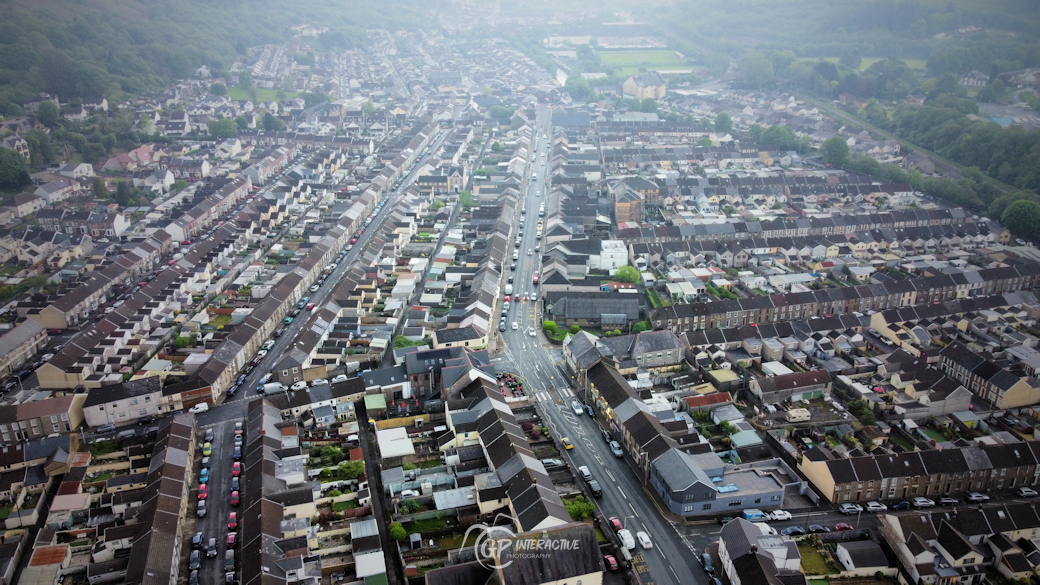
{"points": [[88, 48]]}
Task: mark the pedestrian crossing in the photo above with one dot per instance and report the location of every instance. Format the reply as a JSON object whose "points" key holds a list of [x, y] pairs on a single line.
{"points": [[542, 396], [565, 392]]}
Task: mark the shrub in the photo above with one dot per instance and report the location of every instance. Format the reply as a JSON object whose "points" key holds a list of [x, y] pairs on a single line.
{"points": [[397, 532]]}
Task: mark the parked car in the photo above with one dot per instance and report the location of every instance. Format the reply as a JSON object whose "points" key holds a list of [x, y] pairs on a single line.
{"points": [[792, 531], [901, 505], [850, 508], [207, 449], [236, 469], [203, 491], [301, 385], [615, 448], [875, 507], [204, 475], [232, 539], [340, 378], [552, 463], [948, 501], [818, 529], [584, 472], [923, 502], [236, 484], [615, 523], [1026, 492], [195, 560], [779, 515], [199, 408], [705, 559], [606, 436], [625, 535], [610, 562], [209, 436], [232, 521], [198, 540], [597, 491], [590, 411], [235, 499], [842, 527], [977, 497], [567, 444]]}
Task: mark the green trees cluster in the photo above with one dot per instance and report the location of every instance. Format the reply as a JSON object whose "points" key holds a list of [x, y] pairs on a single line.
{"points": [[1023, 218], [579, 509], [14, 170], [627, 273]]}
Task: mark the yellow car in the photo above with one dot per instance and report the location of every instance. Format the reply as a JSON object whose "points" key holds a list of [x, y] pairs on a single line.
{"points": [[207, 450], [567, 443]]}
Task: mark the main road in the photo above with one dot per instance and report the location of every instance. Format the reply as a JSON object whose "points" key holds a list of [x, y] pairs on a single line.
{"points": [[671, 560]]}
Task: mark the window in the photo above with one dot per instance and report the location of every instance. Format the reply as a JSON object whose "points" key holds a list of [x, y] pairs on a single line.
{"points": [[54, 418], [64, 417], [147, 398], [706, 507], [736, 503], [776, 498], [758, 500], [133, 402], [687, 508], [122, 415]]}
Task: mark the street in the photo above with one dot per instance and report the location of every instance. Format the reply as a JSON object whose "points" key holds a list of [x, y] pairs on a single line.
{"points": [[669, 561]]}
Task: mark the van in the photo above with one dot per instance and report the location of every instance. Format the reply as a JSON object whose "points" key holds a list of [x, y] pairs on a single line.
{"points": [[798, 415], [597, 492], [755, 515]]}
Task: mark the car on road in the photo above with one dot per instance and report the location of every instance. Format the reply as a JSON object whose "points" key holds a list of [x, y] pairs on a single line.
{"points": [[792, 531], [705, 559], [232, 521], [204, 475], [615, 448], [977, 497], [195, 560], [301, 385], [818, 529], [625, 535], [585, 474], [235, 498], [236, 469], [842, 527], [515, 325], [901, 505], [590, 411], [615, 524], [923, 502], [850, 508], [288, 320], [232, 539], [597, 491], [531, 332], [199, 408], [315, 288], [1026, 492], [875, 507], [203, 491], [567, 444], [644, 539], [198, 540], [211, 548], [779, 515], [606, 436], [502, 326], [207, 449], [577, 407], [610, 562], [948, 501], [309, 306]]}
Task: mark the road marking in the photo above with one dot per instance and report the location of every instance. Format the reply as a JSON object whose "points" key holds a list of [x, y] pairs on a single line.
{"points": [[599, 459], [633, 508], [673, 573], [622, 492], [611, 476]]}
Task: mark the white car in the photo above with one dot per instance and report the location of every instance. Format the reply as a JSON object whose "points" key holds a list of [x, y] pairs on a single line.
{"points": [[849, 508], [766, 529], [644, 539], [515, 326], [198, 408], [315, 288], [301, 385], [339, 378], [577, 408], [779, 515], [1026, 492], [531, 332], [584, 472], [320, 382], [876, 507], [977, 497], [922, 502], [625, 536]]}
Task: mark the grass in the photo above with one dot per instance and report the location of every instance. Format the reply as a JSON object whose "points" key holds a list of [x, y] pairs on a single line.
{"points": [[5, 512], [104, 477], [934, 434], [428, 524], [902, 442], [455, 542], [915, 64], [347, 505], [813, 562], [262, 93], [103, 447], [220, 320], [628, 58], [819, 582]]}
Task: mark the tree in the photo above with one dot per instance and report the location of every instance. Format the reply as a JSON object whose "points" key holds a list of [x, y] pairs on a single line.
{"points": [[641, 326], [124, 193], [627, 274], [48, 114], [410, 506], [93, 152], [397, 532], [496, 146], [218, 89], [272, 124], [242, 123], [99, 190], [41, 151], [245, 80], [578, 87], [648, 106], [835, 151], [850, 59], [549, 326], [757, 69], [579, 509], [1022, 218], [705, 142], [466, 199], [723, 123], [574, 329], [14, 171], [500, 112], [222, 128]]}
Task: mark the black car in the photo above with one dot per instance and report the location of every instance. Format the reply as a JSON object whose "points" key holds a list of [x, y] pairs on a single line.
{"points": [[900, 505], [606, 436], [238, 453], [199, 540], [146, 420], [818, 529], [195, 561]]}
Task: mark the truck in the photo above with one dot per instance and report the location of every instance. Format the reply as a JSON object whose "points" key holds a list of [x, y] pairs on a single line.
{"points": [[798, 415], [755, 515], [272, 388], [509, 289]]}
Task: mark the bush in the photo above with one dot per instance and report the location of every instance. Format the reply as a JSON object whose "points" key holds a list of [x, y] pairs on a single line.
{"points": [[335, 494], [549, 326], [410, 507], [397, 532], [579, 509]]}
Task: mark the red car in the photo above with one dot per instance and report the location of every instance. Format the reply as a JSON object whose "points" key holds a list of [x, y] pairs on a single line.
{"points": [[610, 562], [615, 523], [203, 491], [235, 499], [232, 539], [309, 306], [236, 469], [841, 527], [232, 521], [353, 240], [507, 298]]}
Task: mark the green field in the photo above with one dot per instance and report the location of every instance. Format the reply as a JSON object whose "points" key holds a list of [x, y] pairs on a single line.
{"points": [[263, 94], [915, 64], [651, 59]]}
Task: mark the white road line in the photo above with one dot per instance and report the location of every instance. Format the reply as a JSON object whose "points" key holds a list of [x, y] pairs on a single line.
{"points": [[611, 476], [633, 508], [673, 572], [622, 492], [599, 459]]}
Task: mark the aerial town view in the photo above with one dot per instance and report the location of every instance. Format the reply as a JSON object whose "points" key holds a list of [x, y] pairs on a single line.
{"points": [[680, 292]]}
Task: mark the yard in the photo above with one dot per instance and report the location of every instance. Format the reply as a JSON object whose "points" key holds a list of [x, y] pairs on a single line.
{"points": [[813, 562]]}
